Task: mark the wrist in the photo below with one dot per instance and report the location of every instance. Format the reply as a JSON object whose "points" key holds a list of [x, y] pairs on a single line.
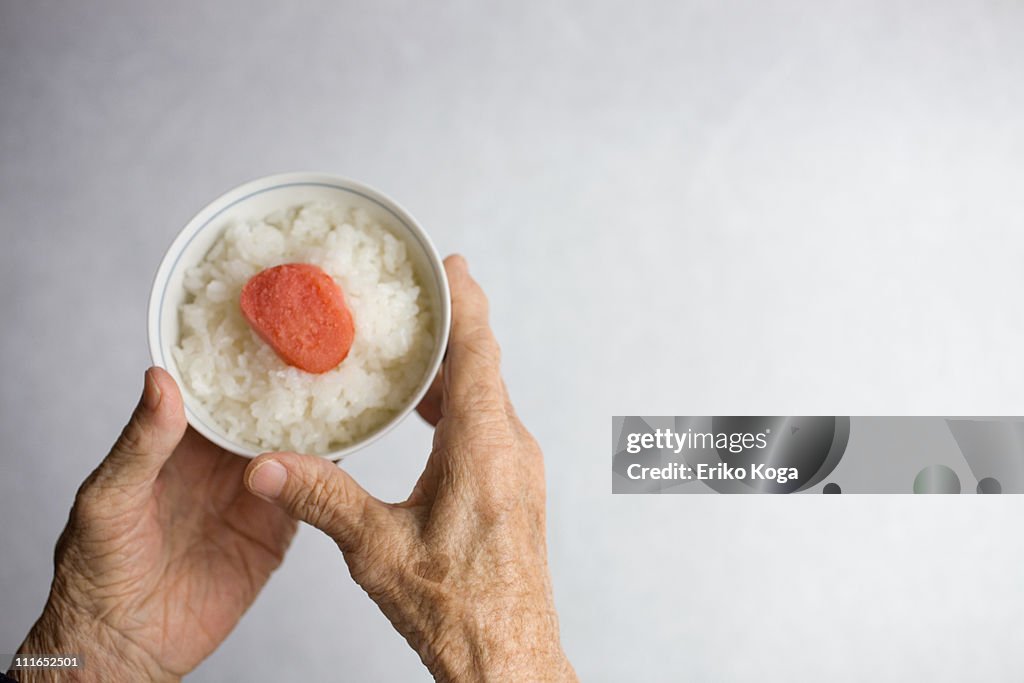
{"points": [[506, 643], [104, 654]]}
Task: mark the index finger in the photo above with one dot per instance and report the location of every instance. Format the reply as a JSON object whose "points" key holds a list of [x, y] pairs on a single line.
{"points": [[472, 369]]}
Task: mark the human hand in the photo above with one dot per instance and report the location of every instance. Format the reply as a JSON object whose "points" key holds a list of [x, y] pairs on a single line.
{"points": [[163, 552], [459, 568]]}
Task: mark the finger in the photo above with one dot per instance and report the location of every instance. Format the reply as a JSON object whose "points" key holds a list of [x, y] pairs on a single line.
{"points": [[472, 367], [315, 491], [151, 435], [430, 407]]}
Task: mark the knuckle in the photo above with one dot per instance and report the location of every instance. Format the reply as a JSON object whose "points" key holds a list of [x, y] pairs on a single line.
{"points": [[87, 503], [478, 396], [480, 341], [99, 505], [474, 298], [324, 501], [133, 438], [503, 488], [528, 442], [318, 501], [483, 304], [481, 435]]}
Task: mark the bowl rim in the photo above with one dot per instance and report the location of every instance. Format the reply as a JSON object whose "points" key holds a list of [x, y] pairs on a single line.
{"points": [[208, 214]]}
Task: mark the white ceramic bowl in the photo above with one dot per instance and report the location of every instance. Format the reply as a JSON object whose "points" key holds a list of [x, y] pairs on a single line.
{"points": [[257, 199]]}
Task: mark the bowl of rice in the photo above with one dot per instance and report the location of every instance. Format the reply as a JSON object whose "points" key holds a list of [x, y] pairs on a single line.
{"points": [[237, 391]]}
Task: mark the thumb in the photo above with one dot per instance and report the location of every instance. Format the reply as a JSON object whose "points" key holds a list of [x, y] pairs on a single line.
{"points": [[314, 490], [152, 434]]}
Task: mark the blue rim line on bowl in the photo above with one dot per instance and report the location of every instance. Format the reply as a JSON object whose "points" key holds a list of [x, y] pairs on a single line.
{"points": [[161, 361]]}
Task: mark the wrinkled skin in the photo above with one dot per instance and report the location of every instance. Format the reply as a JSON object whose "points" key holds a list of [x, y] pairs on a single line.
{"points": [[459, 568], [163, 552], [167, 545]]}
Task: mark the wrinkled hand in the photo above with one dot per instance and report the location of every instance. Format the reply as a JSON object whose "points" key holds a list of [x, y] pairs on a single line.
{"points": [[164, 551], [460, 568]]}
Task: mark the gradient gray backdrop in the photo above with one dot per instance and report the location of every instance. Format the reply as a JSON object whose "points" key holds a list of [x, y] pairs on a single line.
{"points": [[676, 207]]}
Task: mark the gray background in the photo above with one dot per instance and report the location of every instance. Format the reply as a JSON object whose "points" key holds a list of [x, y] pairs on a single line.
{"points": [[677, 208]]}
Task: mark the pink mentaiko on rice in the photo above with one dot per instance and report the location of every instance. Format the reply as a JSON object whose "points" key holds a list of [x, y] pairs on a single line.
{"points": [[252, 394]]}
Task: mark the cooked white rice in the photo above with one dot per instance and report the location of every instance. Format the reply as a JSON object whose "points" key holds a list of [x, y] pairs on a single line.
{"points": [[254, 396]]}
